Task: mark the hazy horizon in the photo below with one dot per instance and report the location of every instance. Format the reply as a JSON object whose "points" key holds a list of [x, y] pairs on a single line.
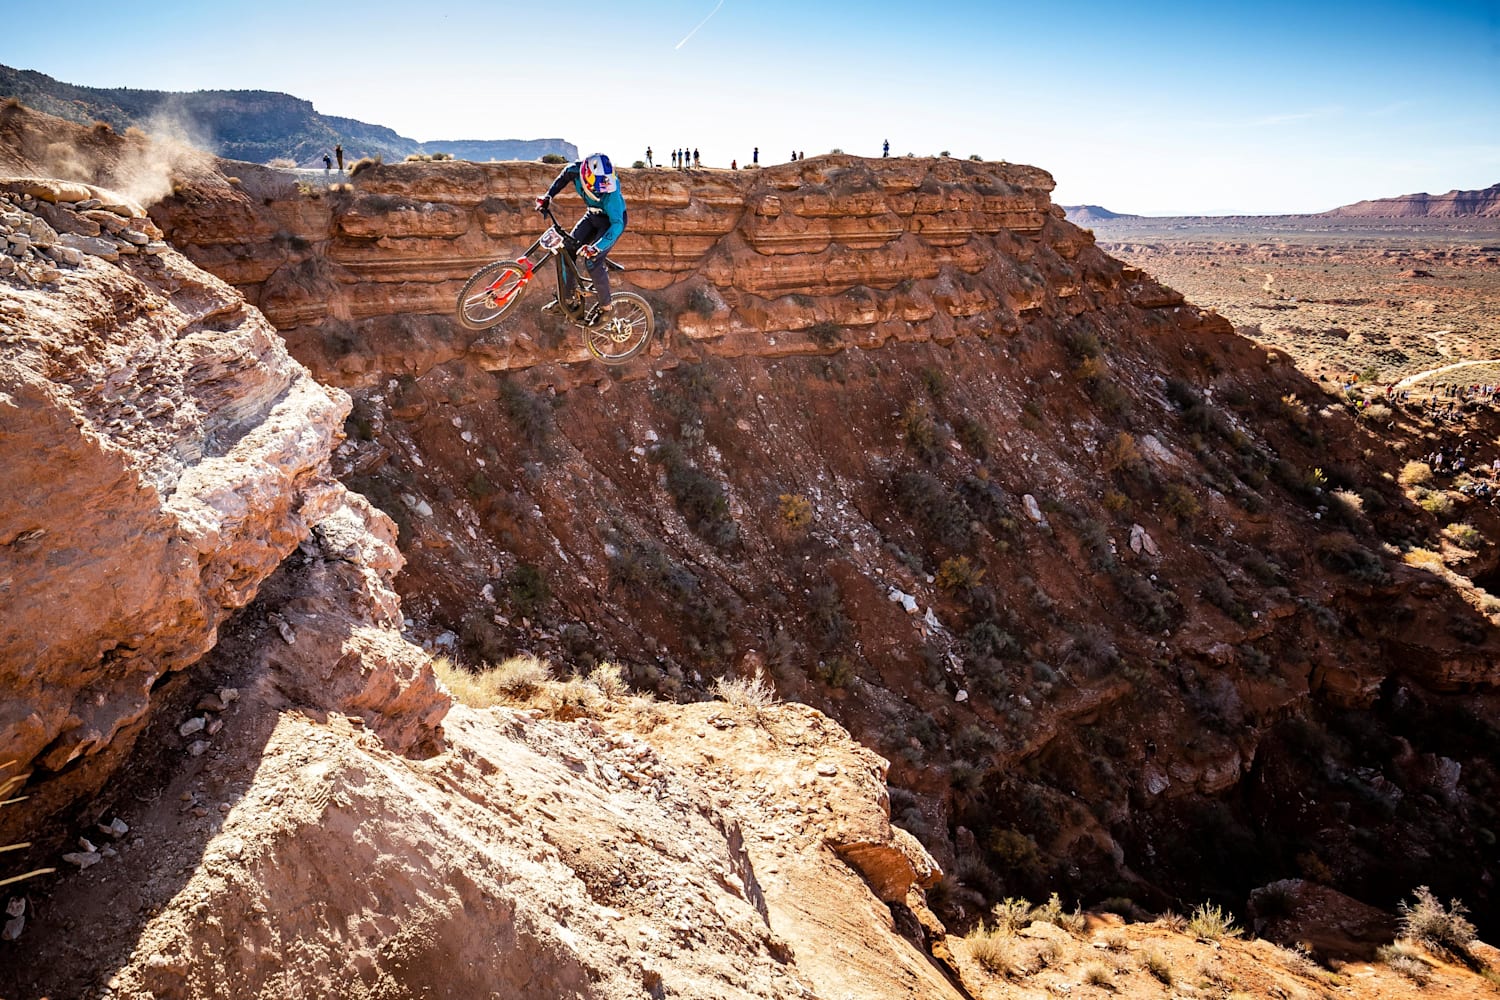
{"points": [[1180, 109]]}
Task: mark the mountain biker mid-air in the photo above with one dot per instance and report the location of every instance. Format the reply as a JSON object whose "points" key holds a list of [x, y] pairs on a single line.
{"points": [[595, 180]]}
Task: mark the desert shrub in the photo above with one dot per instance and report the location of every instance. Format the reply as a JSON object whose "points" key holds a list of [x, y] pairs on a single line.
{"points": [[364, 163], [1438, 503], [418, 158], [1346, 505], [510, 680], [1415, 474], [1342, 554], [1091, 652], [638, 165], [554, 158], [1426, 921], [1180, 502], [1011, 914], [753, 693], [1122, 455], [995, 952], [824, 333], [988, 503], [973, 435], [923, 434], [959, 574], [282, 163], [836, 671], [1295, 411], [699, 497], [527, 589], [1465, 535], [1406, 960], [828, 625], [939, 514], [1210, 923], [529, 412], [1081, 343], [934, 380], [794, 511], [1115, 502], [701, 301], [1378, 414], [1052, 912], [1014, 851], [1425, 558], [1157, 966]]}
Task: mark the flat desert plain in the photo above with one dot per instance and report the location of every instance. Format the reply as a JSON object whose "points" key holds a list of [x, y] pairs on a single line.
{"points": [[1383, 298]]}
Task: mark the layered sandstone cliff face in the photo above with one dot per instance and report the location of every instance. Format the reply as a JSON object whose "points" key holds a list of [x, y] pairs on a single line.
{"points": [[1017, 515]]}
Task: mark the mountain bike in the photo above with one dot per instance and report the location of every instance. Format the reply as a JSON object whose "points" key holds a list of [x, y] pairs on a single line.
{"points": [[494, 289]]}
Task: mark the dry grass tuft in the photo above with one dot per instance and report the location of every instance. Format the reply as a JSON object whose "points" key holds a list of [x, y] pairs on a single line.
{"points": [[8, 786], [1407, 960], [1099, 974], [1210, 923], [995, 952], [1156, 964], [510, 682]]}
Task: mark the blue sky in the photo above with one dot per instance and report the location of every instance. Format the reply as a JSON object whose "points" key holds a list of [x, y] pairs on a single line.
{"points": [[1156, 109]]}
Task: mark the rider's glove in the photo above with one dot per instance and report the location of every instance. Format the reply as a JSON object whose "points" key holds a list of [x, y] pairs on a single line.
{"points": [[543, 202], [589, 251]]}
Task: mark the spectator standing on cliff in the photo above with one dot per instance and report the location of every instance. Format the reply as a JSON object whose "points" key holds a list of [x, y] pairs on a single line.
{"points": [[885, 150], [338, 151], [734, 164], [648, 157], [327, 163], [696, 163], [755, 156]]}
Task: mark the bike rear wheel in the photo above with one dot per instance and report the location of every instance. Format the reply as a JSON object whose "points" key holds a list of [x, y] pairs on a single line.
{"points": [[625, 334], [490, 293]]}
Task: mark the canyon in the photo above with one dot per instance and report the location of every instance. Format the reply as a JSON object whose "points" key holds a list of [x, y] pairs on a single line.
{"points": [[1077, 561]]}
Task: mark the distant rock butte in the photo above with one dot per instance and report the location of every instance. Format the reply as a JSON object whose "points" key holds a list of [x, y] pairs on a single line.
{"points": [[253, 125], [1084, 214], [1454, 204]]}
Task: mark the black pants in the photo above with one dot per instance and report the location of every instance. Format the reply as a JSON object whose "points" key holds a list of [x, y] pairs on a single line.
{"points": [[592, 226]]}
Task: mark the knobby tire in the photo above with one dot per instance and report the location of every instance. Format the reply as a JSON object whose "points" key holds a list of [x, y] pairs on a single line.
{"points": [[490, 293]]}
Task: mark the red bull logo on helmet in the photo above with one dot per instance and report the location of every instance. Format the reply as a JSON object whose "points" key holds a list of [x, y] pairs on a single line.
{"points": [[597, 174]]}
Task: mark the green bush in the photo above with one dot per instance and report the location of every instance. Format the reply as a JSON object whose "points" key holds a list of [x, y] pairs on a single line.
{"points": [[527, 589], [699, 497], [554, 158]]}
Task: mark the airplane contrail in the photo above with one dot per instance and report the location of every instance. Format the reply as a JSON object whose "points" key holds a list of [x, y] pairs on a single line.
{"points": [[701, 23]]}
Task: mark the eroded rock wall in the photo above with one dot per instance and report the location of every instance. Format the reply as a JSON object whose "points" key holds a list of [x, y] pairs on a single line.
{"points": [[164, 453]]}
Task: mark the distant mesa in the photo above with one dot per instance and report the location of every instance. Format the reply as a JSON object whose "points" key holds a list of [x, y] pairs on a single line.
{"points": [[1483, 204], [1084, 214], [253, 125]]}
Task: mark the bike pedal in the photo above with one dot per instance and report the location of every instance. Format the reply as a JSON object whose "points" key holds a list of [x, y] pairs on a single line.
{"points": [[552, 307]]}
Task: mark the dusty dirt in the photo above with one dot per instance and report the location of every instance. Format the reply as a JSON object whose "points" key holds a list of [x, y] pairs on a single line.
{"points": [[1392, 297]]}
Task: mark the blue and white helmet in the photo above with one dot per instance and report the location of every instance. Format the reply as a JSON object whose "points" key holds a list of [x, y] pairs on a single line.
{"points": [[598, 174]]}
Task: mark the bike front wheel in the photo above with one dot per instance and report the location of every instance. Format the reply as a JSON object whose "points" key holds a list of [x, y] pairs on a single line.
{"points": [[625, 334], [490, 293]]}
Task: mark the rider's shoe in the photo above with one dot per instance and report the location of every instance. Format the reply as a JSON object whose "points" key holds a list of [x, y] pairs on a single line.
{"points": [[552, 307], [599, 315]]}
